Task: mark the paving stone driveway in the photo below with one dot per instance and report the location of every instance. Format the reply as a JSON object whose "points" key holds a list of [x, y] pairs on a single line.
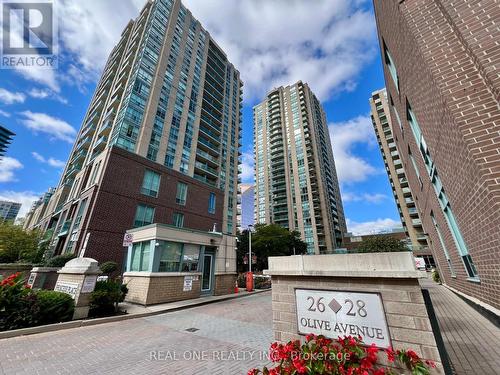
{"points": [[230, 338]]}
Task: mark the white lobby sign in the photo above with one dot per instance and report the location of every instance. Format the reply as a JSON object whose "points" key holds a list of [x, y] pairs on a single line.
{"points": [[188, 283], [342, 313], [68, 288], [89, 284]]}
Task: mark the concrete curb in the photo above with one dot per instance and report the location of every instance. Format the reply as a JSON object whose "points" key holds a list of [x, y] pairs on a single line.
{"points": [[111, 319]]}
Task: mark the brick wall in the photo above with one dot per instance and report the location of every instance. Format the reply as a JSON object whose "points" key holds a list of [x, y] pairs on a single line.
{"points": [[447, 58], [146, 290], [224, 284], [402, 299]]}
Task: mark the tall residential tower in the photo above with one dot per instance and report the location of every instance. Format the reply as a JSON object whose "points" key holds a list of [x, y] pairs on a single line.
{"points": [[441, 67], [412, 224], [159, 143], [296, 182]]}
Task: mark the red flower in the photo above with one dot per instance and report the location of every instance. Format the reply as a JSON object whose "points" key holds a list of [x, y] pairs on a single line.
{"points": [[310, 337], [390, 354]]}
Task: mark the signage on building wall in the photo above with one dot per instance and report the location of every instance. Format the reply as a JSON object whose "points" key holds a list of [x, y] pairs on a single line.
{"points": [[420, 263], [89, 284], [68, 288], [188, 283], [128, 238], [31, 279], [342, 313]]}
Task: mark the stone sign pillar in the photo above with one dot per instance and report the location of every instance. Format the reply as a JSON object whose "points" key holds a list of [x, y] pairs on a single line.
{"points": [[373, 295], [43, 277], [78, 278]]}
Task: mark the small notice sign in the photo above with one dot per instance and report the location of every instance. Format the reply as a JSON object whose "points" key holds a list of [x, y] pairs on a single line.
{"points": [[89, 284], [188, 283], [342, 313], [128, 239], [68, 288], [31, 279]]}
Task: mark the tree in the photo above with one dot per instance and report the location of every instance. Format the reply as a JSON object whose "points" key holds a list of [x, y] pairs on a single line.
{"points": [[268, 240], [380, 244], [17, 244]]}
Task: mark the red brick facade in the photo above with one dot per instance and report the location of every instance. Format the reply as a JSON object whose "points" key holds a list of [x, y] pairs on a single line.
{"points": [[114, 201], [447, 57]]}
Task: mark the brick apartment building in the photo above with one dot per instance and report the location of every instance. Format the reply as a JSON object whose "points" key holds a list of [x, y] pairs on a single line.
{"points": [[441, 65]]}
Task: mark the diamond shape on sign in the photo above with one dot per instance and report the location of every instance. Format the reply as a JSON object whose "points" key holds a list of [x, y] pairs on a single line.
{"points": [[335, 306]]}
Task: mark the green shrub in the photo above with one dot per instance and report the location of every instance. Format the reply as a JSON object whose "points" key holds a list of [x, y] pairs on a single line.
{"points": [[435, 276], [106, 296], [108, 267], [54, 307], [262, 282], [242, 281], [59, 260], [18, 304]]}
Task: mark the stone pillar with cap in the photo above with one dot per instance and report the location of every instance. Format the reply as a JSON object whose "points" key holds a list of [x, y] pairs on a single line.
{"points": [[78, 278]]}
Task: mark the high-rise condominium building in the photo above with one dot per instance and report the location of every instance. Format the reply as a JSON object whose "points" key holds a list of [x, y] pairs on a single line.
{"points": [[296, 182], [159, 143], [5, 139], [9, 210], [441, 67], [410, 218]]}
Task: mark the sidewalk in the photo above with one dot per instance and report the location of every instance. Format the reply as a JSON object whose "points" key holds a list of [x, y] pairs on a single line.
{"points": [[471, 340], [133, 311]]}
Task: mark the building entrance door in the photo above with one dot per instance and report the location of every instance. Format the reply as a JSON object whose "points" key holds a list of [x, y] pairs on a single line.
{"points": [[207, 277]]}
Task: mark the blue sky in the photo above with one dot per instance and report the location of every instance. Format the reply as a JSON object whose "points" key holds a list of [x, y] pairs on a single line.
{"points": [[331, 45]]}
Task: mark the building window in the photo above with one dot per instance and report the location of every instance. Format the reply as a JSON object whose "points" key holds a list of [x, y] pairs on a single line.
{"points": [[150, 183], [443, 245], [143, 215], [178, 220], [211, 203], [412, 120], [79, 215], [181, 193], [190, 258], [391, 66], [141, 253], [470, 266], [169, 256]]}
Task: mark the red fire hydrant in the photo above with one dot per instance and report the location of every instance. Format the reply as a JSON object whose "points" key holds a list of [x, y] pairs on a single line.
{"points": [[249, 281]]}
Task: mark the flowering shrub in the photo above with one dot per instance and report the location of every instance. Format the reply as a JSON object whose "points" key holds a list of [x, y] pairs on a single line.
{"points": [[344, 356], [21, 307]]}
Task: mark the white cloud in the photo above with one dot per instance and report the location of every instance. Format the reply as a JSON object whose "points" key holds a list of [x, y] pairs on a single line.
{"points": [[344, 135], [270, 42], [279, 42], [50, 161], [9, 97], [43, 123], [4, 114], [8, 166], [26, 198], [364, 197], [46, 94], [372, 227], [247, 164], [90, 23]]}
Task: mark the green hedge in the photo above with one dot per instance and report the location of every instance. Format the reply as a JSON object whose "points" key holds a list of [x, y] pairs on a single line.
{"points": [[54, 306], [22, 307]]}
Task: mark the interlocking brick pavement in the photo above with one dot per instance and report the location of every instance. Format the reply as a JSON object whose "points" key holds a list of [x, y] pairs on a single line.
{"points": [[471, 340], [232, 337]]}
